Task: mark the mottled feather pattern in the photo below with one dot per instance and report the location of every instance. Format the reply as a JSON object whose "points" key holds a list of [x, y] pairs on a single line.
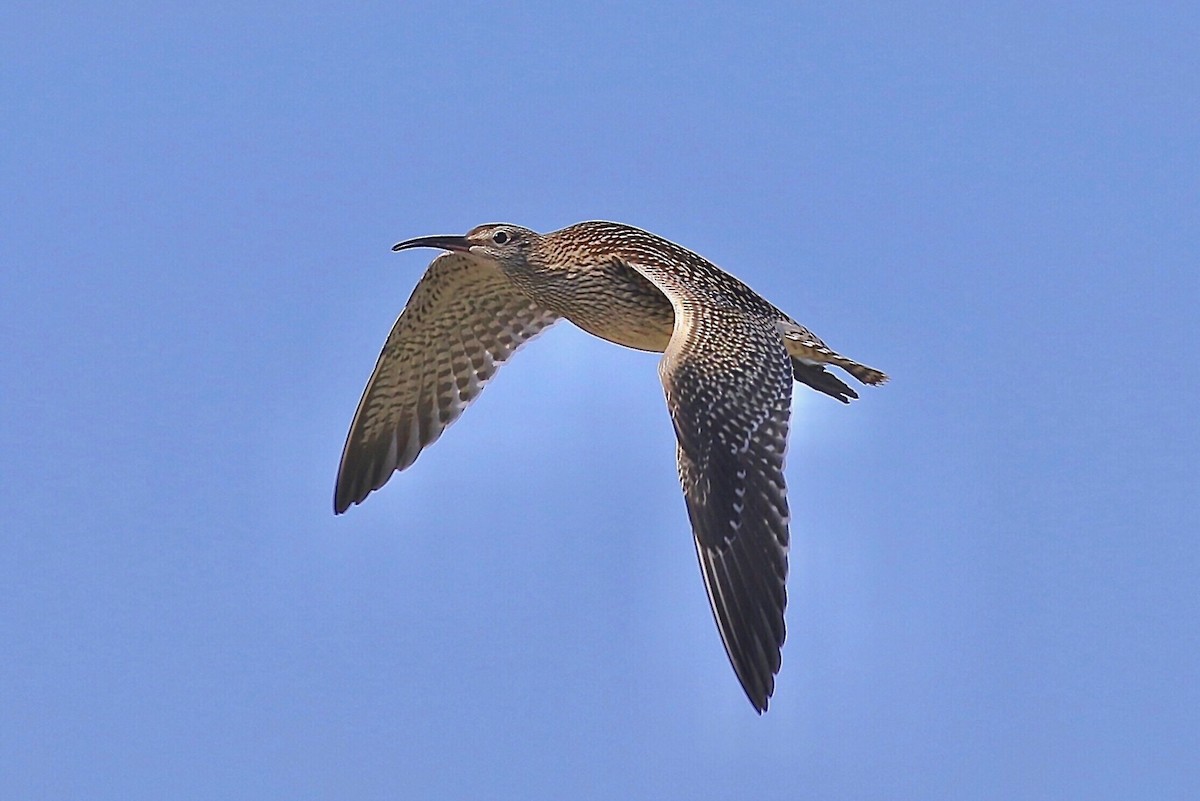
{"points": [[728, 383], [463, 321], [731, 453], [627, 244], [729, 360]]}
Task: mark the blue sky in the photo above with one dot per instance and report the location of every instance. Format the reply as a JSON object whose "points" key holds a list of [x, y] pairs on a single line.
{"points": [[994, 569]]}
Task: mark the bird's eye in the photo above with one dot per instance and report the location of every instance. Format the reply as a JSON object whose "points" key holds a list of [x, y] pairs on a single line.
{"points": [[500, 237]]}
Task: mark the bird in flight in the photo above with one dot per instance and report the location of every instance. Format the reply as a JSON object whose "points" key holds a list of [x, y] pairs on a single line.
{"points": [[729, 360]]}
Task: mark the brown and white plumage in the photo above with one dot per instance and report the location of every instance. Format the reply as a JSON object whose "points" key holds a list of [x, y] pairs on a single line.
{"points": [[730, 400], [729, 359], [463, 321]]}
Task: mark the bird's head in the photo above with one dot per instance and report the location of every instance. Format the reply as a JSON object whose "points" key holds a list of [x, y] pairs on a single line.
{"points": [[503, 242]]}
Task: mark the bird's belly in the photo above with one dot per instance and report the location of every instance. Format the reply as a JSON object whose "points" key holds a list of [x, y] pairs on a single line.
{"points": [[632, 333], [614, 303], [627, 314]]}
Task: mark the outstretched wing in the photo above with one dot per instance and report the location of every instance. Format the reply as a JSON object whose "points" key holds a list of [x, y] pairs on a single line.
{"points": [[464, 319], [728, 381]]}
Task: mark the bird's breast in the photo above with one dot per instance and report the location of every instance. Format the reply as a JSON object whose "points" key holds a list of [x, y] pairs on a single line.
{"points": [[610, 301]]}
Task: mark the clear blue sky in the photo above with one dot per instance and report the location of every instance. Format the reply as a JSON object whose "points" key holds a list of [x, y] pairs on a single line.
{"points": [[995, 586]]}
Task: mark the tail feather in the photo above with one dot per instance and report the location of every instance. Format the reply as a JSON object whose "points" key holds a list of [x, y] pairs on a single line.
{"points": [[867, 375]]}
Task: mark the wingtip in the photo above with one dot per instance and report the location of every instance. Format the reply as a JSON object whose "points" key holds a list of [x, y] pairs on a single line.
{"points": [[759, 702], [342, 499]]}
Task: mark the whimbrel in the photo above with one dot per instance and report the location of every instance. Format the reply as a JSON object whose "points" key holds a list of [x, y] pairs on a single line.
{"points": [[729, 359]]}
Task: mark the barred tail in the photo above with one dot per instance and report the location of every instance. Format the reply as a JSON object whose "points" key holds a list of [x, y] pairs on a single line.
{"points": [[867, 375]]}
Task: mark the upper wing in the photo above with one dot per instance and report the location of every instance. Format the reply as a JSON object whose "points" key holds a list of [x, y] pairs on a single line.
{"points": [[463, 320], [728, 381]]}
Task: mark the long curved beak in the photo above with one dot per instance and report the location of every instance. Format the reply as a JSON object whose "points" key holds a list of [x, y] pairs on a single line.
{"points": [[456, 243]]}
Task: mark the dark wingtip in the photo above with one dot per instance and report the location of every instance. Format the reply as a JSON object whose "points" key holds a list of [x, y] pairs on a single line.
{"points": [[343, 496], [760, 701]]}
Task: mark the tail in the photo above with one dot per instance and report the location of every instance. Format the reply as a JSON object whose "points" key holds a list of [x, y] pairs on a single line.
{"points": [[867, 375], [809, 353], [806, 370]]}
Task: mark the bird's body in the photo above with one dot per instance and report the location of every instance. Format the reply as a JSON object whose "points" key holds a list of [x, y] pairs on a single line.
{"points": [[603, 297], [729, 360]]}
